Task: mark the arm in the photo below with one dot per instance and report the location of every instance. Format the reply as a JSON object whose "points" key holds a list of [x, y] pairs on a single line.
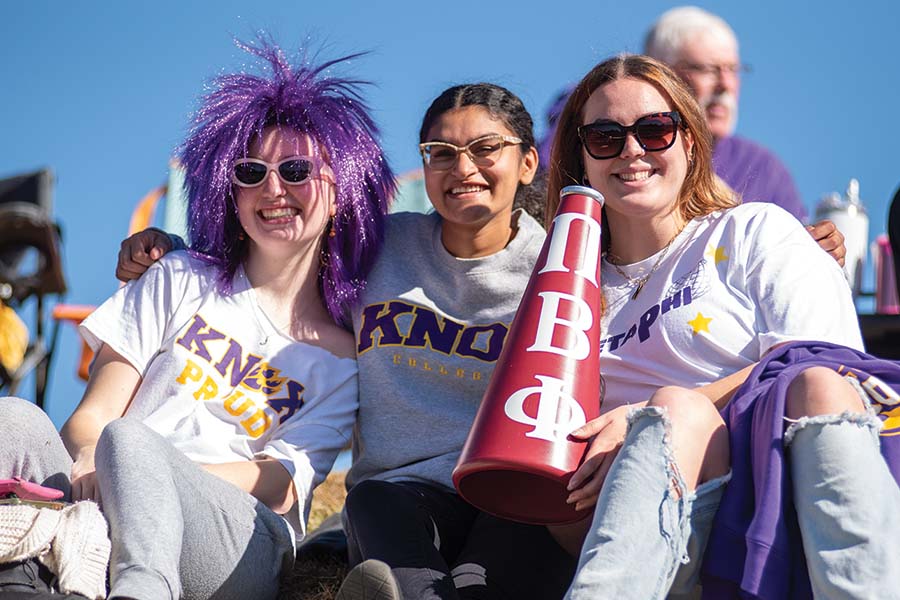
{"points": [[141, 250], [720, 391], [606, 434], [265, 478], [109, 391]]}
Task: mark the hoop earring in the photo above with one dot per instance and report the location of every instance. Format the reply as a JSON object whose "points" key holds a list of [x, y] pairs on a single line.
{"points": [[584, 181]]}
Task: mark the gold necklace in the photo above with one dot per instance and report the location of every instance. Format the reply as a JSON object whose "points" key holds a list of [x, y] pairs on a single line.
{"points": [[639, 282]]}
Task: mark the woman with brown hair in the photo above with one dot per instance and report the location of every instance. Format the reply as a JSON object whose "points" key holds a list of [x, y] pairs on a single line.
{"points": [[697, 292]]}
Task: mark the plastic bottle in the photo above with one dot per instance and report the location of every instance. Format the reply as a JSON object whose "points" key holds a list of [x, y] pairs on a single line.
{"points": [[849, 216]]}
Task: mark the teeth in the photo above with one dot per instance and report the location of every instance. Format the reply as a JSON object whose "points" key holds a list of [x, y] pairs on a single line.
{"points": [[638, 176], [466, 189], [277, 213]]}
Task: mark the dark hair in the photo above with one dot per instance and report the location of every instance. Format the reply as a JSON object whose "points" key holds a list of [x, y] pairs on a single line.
{"points": [[499, 101], [701, 193], [305, 97], [502, 104]]}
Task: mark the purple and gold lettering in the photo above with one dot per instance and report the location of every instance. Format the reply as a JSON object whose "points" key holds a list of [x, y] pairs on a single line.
{"points": [[232, 361], [195, 337], [377, 317], [208, 390], [425, 329], [192, 372], [237, 404], [291, 404], [257, 423], [495, 333]]}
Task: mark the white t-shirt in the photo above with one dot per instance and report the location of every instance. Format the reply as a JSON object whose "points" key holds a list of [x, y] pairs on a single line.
{"points": [[733, 284], [220, 382]]}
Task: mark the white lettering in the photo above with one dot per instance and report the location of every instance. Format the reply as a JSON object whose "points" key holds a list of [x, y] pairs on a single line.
{"points": [[558, 413], [559, 241], [549, 319]]}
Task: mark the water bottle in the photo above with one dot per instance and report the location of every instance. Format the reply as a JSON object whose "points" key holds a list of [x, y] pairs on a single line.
{"points": [[849, 216]]}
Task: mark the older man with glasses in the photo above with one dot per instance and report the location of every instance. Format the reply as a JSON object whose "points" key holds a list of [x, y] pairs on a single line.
{"points": [[703, 49]]}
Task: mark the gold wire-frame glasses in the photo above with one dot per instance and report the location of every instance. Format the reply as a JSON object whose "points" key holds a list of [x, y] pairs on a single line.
{"points": [[483, 151]]}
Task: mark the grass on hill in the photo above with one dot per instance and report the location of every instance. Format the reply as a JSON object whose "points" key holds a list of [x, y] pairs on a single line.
{"points": [[318, 578]]}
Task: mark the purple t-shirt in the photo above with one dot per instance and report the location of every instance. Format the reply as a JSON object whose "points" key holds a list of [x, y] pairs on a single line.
{"points": [[756, 174]]}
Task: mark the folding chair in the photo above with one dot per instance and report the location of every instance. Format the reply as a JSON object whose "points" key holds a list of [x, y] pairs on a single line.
{"points": [[30, 268]]}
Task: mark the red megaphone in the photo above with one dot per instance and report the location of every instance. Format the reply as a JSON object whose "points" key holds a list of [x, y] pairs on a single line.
{"points": [[518, 457]]}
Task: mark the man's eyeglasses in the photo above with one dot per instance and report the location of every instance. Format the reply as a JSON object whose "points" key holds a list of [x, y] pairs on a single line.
{"points": [[606, 139], [484, 151], [713, 70], [296, 170]]}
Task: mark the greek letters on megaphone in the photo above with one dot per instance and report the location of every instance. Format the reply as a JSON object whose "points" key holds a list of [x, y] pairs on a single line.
{"points": [[518, 457]]}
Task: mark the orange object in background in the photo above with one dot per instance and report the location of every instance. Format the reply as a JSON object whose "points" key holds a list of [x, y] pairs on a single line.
{"points": [[75, 314], [141, 218]]}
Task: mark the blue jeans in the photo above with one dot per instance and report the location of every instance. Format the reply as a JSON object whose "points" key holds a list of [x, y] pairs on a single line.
{"points": [[646, 540], [847, 506]]}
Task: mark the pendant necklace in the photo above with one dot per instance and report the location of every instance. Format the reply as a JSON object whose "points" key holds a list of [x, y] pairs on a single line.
{"points": [[260, 315], [639, 282]]}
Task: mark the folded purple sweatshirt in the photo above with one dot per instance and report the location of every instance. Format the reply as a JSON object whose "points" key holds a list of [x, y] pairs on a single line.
{"points": [[755, 549]]}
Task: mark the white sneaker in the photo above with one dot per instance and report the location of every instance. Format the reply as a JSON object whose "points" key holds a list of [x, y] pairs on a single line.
{"points": [[369, 580]]}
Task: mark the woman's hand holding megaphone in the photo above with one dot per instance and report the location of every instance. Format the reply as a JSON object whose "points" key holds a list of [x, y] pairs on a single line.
{"points": [[606, 434]]}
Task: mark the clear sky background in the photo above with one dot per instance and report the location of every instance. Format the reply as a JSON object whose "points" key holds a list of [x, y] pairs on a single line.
{"points": [[101, 92]]}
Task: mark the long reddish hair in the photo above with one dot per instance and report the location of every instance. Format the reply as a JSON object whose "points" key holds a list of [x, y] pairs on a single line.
{"points": [[702, 191]]}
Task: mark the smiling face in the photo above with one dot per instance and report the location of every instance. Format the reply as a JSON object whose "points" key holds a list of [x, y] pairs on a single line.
{"points": [[636, 184], [277, 217], [468, 195]]}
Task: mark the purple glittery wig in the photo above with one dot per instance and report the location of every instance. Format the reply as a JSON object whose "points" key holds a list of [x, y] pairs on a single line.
{"points": [[330, 110]]}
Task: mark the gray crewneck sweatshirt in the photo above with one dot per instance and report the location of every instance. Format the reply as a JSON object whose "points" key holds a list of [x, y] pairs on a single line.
{"points": [[428, 331]]}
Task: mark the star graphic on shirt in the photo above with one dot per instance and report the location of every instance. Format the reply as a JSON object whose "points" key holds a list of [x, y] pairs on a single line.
{"points": [[717, 253], [700, 323]]}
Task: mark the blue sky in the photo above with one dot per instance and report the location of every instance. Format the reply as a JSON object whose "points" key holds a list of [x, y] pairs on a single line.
{"points": [[101, 92]]}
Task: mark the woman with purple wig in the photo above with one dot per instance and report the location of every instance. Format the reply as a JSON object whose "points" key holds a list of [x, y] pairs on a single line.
{"points": [[225, 382], [429, 328]]}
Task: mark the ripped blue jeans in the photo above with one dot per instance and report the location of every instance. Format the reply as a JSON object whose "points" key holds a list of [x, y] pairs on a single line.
{"points": [[847, 505], [646, 538], [647, 542]]}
